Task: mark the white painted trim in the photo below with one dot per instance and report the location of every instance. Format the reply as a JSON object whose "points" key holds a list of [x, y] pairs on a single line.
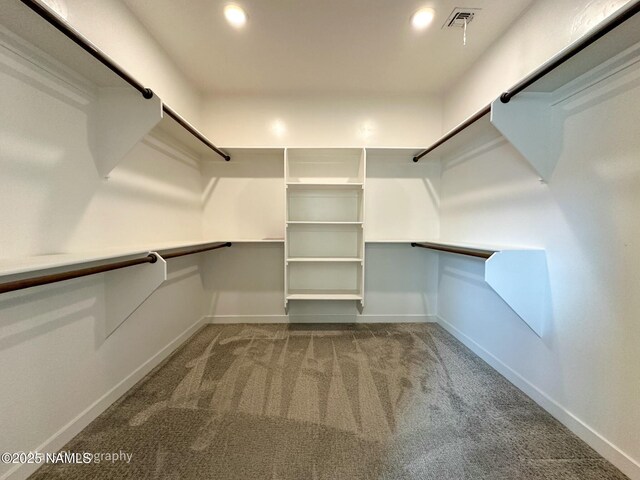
{"points": [[595, 440], [327, 318], [75, 426]]}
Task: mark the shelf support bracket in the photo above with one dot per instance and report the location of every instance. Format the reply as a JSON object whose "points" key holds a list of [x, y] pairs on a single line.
{"points": [[121, 118], [530, 123], [127, 289], [521, 279]]}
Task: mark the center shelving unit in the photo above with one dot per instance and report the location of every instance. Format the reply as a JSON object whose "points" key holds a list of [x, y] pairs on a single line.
{"points": [[324, 241]]}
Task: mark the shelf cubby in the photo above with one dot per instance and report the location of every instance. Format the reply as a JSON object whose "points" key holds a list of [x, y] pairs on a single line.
{"points": [[324, 241], [326, 278], [324, 204], [325, 166]]}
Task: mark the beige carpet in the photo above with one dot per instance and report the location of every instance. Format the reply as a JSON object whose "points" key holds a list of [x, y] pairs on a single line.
{"points": [[393, 401]]}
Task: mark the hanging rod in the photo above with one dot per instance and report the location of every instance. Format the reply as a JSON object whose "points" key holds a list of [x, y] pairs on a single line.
{"points": [[147, 93], [452, 133], [107, 267], [83, 272], [573, 50], [472, 252], [180, 252], [187, 126], [86, 46]]}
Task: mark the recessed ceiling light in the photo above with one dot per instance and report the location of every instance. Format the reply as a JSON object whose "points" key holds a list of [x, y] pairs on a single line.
{"points": [[422, 18], [235, 16]]}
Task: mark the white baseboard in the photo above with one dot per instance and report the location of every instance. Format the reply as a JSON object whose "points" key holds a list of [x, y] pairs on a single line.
{"points": [[226, 319], [75, 426], [604, 447]]}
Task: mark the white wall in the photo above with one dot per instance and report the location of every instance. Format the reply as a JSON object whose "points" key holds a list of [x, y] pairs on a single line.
{"points": [[58, 371], [247, 285], [584, 370], [244, 200], [543, 30], [51, 192], [322, 120], [111, 27]]}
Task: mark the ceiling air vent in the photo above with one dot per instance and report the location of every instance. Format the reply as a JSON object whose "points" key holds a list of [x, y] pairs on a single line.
{"points": [[458, 17]]}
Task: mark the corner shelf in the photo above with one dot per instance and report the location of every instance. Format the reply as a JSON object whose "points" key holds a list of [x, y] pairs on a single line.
{"points": [[518, 276], [527, 116]]}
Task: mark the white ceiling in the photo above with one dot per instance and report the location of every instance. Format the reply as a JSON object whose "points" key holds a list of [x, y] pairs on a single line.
{"points": [[302, 46]]}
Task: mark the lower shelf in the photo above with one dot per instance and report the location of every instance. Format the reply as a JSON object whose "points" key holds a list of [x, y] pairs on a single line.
{"points": [[324, 295], [325, 259]]}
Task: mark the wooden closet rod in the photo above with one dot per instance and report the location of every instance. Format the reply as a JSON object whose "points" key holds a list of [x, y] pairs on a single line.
{"points": [[469, 121], [86, 46], [107, 267], [473, 252], [187, 126], [180, 252], [83, 272], [615, 21], [107, 62]]}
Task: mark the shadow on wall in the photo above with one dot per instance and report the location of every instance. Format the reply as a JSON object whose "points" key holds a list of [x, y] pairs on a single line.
{"points": [[51, 191], [248, 280], [251, 188], [32, 313]]}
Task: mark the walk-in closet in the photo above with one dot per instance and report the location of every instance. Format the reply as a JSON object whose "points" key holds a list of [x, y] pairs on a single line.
{"points": [[319, 239]]}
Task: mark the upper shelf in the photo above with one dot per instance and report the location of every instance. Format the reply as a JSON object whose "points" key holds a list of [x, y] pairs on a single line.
{"points": [[18, 18], [612, 37], [31, 24], [325, 166]]}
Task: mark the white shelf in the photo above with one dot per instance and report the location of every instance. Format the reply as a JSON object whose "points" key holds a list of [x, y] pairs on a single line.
{"points": [[323, 295], [299, 222], [600, 52], [258, 240], [324, 184], [37, 263], [325, 259]]}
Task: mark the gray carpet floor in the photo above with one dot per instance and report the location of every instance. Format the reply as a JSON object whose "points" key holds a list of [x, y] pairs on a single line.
{"points": [[392, 401]]}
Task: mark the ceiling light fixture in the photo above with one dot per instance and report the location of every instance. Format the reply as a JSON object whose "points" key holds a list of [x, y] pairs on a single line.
{"points": [[235, 16], [422, 18]]}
